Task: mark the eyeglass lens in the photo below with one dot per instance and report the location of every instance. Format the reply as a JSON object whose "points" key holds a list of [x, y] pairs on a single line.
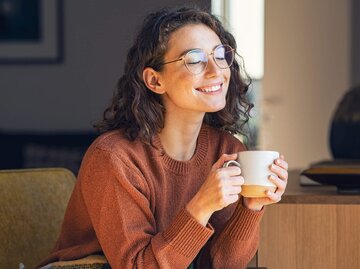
{"points": [[196, 60]]}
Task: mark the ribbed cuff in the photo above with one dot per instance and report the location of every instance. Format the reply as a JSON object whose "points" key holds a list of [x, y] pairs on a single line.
{"points": [[243, 223], [186, 235]]}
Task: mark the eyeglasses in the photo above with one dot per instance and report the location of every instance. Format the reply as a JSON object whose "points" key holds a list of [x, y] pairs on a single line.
{"points": [[196, 60]]}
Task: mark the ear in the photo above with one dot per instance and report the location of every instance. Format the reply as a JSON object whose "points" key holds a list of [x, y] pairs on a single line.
{"points": [[151, 80]]}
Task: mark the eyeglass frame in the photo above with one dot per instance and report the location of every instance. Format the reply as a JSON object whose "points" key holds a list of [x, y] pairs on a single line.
{"points": [[207, 54]]}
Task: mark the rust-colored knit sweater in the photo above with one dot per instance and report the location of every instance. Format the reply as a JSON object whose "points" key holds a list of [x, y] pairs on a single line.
{"points": [[129, 202]]}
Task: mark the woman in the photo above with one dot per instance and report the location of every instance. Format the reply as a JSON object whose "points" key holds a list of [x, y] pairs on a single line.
{"points": [[152, 192]]}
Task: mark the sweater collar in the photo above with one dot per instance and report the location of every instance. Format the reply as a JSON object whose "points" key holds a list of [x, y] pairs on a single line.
{"points": [[184, 167]]}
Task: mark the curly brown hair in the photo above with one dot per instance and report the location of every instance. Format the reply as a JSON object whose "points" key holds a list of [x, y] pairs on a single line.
{"points": [[138, 111]]}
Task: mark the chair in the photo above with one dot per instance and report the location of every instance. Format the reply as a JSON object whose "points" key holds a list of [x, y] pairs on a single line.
{"points": [[32, 206]]}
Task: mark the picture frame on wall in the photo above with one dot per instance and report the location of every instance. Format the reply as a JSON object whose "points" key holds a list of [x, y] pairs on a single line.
{"points": [[31, 31]]}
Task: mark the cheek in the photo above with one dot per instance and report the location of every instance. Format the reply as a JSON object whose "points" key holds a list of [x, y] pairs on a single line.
{"points": [[228, 77], [228, 74], [182, 82], [177, 77]]}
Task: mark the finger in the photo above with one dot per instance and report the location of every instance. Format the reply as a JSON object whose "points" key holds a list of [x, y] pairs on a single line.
{"points": [[280, 184], [236, 181], [232, 190], [273, 196], [224, 158], [232, 198], [231, 171], [279, 171], [282, 163]]}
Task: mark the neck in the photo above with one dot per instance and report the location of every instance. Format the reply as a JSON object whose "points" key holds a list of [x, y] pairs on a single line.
{"points": [[179, 137]]}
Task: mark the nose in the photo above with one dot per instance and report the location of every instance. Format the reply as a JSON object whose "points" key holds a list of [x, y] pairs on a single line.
{"points": [[212, 69]]}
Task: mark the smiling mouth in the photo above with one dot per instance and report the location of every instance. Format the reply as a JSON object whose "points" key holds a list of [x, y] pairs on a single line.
{"points": [[211, 89]]}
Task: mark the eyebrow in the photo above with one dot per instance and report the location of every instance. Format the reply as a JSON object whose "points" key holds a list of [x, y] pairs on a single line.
{"points": [[186, 51]]}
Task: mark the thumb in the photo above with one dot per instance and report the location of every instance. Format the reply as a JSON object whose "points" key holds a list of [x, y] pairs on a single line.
{"points": [[224, 158]]}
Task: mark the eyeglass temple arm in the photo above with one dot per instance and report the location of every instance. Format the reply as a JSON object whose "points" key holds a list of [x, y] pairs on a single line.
{"points": [[180, 59]]}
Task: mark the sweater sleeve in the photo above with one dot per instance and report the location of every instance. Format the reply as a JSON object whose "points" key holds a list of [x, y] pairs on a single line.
{"points": [[236, 236], [235, 241], [117, 200]]}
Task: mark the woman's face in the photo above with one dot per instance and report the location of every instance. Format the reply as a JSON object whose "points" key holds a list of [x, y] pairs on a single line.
{"points": [[184, 91]]}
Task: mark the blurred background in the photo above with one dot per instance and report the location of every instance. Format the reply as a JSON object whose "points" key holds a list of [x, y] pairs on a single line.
{"points": [[55, 82]]}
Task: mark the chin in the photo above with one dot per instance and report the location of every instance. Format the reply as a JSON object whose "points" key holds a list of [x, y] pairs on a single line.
{"points": [[216, 108]]}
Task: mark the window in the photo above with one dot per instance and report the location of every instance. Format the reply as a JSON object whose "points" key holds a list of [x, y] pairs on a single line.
{"points": [[245, 20]]}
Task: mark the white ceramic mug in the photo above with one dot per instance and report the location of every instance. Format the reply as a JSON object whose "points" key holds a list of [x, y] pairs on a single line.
{"points": [[255, 168]]}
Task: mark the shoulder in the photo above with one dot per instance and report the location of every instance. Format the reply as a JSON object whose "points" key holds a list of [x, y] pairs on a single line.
{"points": [[115, 143], [115, 151], [114, 159], [111, 139]]}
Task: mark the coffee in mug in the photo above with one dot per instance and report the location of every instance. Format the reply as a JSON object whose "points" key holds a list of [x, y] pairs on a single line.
{"points": [[255, 168]]}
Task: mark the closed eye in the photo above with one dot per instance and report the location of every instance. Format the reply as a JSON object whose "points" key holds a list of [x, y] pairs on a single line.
{"points": [[194, 62]]}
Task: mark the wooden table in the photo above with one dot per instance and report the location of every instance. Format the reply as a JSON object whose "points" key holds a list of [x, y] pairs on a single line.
{"points": [[311, 227]]}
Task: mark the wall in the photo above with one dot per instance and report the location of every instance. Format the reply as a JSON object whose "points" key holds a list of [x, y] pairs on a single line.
{"points": [[71, 95], [355, 50], [307, 70]]}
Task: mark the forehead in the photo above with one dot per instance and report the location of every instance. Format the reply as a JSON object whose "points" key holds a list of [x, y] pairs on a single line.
{"points": [[192, 36]]}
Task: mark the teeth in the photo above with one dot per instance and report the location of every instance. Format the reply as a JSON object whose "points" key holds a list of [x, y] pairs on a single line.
{"points": [[210, 89]]}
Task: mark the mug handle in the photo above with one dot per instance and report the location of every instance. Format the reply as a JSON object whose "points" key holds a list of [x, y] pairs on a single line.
{"points": [[231, 163]]}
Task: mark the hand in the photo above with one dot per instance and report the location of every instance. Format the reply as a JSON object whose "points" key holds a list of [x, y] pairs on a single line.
{"points": [[220, 189], [279, 167]]}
